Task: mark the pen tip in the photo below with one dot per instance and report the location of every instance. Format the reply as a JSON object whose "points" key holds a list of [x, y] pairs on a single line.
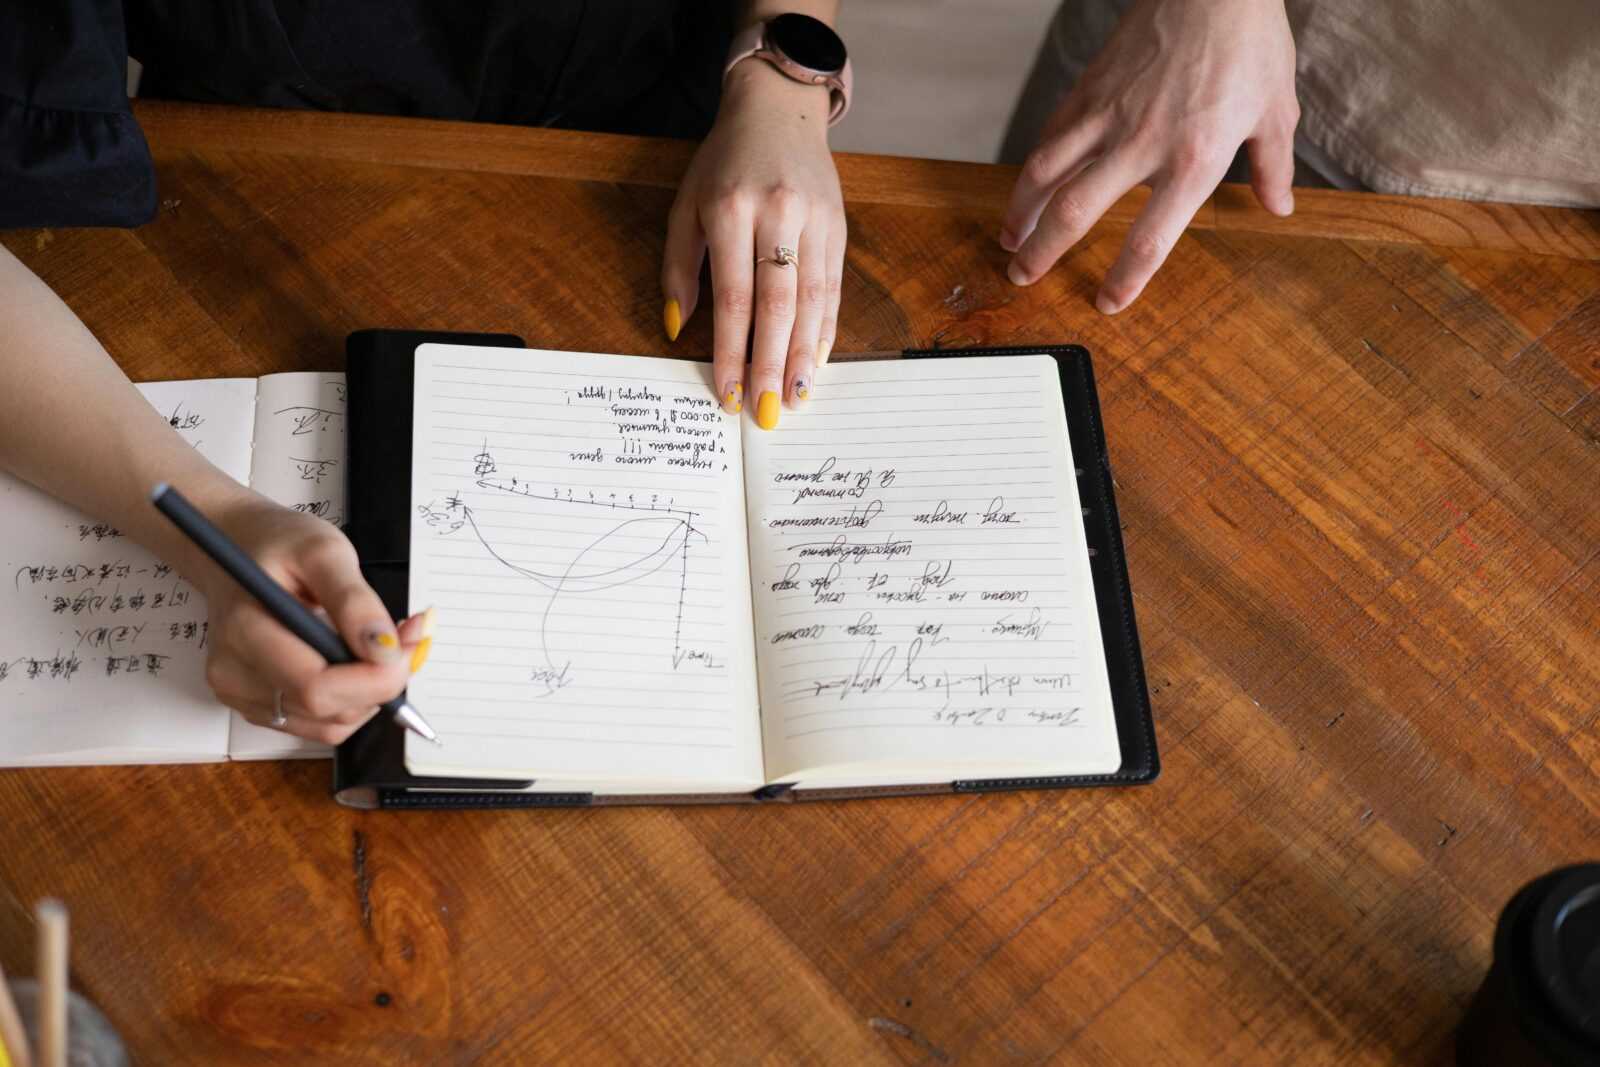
{"points": [[155, 494], [408, 717]]}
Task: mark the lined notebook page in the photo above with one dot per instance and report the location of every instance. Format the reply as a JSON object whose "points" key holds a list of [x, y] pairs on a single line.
{"points": [[298, 460], [578, 523], [102, 646], [922, 590]]}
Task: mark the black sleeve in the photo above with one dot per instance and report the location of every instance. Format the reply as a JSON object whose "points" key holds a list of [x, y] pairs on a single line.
{"points": [[71, 153]]}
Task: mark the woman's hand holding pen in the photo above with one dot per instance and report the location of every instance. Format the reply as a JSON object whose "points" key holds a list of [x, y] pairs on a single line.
{"points": [[253, 658], [763, 180]]}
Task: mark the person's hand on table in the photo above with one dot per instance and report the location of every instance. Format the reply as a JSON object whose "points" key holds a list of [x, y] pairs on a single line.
{"points": [[763, 179], [1177, 89], [253, 658]]}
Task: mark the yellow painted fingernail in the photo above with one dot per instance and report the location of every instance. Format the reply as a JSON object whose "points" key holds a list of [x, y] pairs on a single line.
{"points": [[419, 655], [427, 623], [824, 350], [767, 411], [801, 389], [384, 644], [733, 399], [672, 319]]}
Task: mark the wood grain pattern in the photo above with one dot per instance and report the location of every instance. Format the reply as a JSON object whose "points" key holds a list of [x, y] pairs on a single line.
{"points": [[929, 183], [1356, 455]]}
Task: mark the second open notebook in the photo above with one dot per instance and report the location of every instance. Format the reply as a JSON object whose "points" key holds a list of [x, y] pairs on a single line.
{"points": [[640, 595]]}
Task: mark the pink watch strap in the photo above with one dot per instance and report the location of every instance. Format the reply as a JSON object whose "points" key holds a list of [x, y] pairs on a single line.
{"points": [[752, 41]]}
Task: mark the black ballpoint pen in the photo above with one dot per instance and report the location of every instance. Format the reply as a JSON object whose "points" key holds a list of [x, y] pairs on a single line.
{"points": [[274, 597]]}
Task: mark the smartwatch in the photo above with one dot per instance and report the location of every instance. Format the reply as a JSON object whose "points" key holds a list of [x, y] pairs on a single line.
{"points": [[804, 49]]}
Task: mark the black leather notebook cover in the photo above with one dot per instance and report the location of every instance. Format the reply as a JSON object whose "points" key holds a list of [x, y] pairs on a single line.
{"points": [[369, 768]]}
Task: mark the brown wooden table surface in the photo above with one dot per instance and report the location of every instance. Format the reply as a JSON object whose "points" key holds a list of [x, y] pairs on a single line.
{"points": [[1358, 463]]}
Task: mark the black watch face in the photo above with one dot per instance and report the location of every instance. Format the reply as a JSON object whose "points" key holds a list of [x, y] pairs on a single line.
{"points": [[808, 41]]}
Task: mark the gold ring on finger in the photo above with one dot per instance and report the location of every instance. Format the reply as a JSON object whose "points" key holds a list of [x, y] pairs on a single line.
{"points": [[782, 256]]}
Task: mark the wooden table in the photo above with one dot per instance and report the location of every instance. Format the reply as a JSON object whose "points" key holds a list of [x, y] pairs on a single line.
{"points": [[1358, 459]]}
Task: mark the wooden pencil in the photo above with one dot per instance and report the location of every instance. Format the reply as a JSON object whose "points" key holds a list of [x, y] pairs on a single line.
{"points": [[52, 968], [12, 1035]]}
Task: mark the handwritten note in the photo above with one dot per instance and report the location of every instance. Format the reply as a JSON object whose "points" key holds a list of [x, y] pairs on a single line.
{"points": [[298, 460], [579, 527], [102, 646], [922, 594], [299, 443]]}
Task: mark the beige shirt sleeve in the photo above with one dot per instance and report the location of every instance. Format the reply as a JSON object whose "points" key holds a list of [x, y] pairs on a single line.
{"points": [[1479, 99]]}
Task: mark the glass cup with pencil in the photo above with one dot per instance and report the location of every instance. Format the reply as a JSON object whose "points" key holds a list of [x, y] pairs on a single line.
{"points": [[45, 1024]]}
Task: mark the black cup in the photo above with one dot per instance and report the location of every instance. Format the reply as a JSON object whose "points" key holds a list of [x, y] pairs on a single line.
{"points": [[1540, 1003]]}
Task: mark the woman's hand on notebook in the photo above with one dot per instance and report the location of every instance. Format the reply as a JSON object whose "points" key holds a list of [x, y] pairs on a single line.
{"points": [[1177, 89], [253, 658], [763, 180]]}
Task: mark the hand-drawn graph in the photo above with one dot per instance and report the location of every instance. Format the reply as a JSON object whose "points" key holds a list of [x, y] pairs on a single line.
{"points": [[622, 551]]}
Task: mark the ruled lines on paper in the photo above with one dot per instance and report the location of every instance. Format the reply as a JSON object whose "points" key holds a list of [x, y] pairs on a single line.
{"points": [[921, 586], [578, 526]]}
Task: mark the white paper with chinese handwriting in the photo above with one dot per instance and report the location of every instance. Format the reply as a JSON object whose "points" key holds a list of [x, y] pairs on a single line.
{"points": [[103, 646], [299, 461]]}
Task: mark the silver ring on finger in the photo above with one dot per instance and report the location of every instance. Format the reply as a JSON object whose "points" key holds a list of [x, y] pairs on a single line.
{"points": [[279, 720], [782, 256]]}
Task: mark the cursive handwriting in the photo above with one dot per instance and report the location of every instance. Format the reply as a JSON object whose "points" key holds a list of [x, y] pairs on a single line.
{"points": [[916, 607]]}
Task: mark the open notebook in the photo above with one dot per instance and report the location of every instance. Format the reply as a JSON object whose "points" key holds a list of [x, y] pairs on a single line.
{"points": [[102, 646], [640, 597]]}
